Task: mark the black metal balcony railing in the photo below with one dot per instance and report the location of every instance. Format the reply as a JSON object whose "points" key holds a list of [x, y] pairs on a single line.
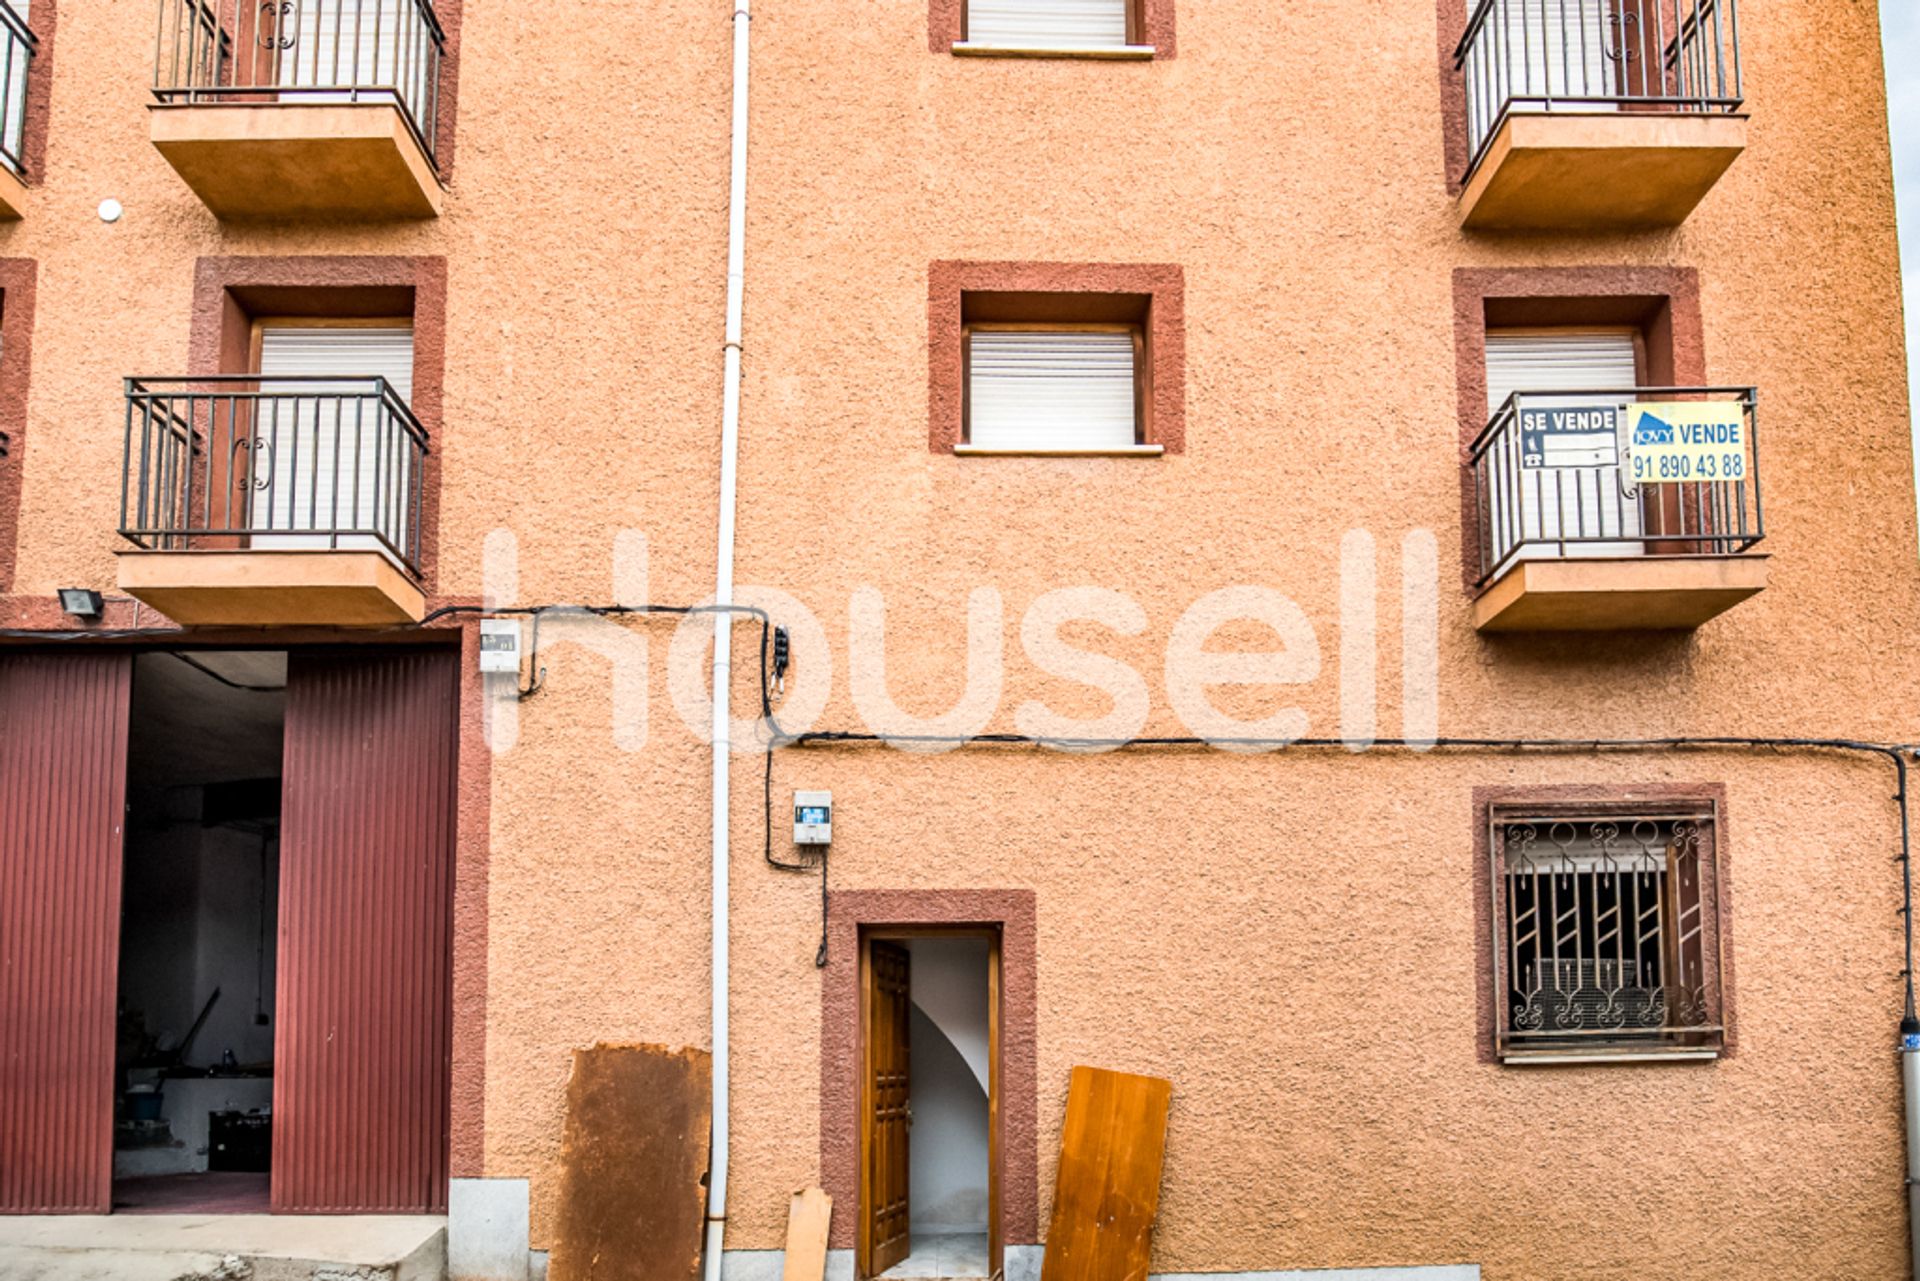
{"points": [[1596, 55], [291, 462], [265, 51], [17, 47], [1558, 474]]}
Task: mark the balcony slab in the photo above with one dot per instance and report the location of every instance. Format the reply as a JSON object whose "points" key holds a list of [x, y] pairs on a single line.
{"points": [[1628, 593], [278, 588], [1597, 171], [13, 196], [286, 160]]}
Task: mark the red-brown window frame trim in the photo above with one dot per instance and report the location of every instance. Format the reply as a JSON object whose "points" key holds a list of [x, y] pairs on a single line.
{"points": [[450, 13], [43, 20], [1161, 285], [222, 332], [1598, 798], [18, 277], [1149, 22], [1664, 302], [1452, 19], [1013, 911]]}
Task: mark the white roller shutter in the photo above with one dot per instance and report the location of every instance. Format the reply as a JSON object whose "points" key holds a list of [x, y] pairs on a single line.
{"points": [[1567, 501], [1048, 24], [1534, 50], [1557, 48], [14, 124], [382, 44], [311, 488], [1050, 390]]}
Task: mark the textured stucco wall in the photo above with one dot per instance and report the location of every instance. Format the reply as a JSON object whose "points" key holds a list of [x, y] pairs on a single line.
{"points": [[584, 241], [1289, 938]]}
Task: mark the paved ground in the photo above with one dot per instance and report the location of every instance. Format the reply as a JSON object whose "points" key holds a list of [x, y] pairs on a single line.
{"points": [[212, 1192], [29, 1264], [236, 1247]]}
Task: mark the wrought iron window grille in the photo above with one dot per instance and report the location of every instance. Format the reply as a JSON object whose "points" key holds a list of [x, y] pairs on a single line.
{"points": [[1607, 932]]}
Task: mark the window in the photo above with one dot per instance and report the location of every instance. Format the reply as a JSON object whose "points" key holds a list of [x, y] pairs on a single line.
{"points": [[1573, 499], [1053, 388], [1051, 24], [338, 454], [340, 49], [1608, 939], [1532, 53], [1056, 358], [17, 41]]}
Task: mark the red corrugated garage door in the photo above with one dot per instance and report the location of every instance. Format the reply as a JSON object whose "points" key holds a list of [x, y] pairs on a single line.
{"points": [[367, 834], [63, 783]]}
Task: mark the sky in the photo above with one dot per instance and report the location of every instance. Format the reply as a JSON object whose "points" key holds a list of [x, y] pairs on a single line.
{"points": [[1900, 28]]}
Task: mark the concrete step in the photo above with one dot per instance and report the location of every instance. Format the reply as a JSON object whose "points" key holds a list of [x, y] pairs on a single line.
{"points": [[238, 1247]]}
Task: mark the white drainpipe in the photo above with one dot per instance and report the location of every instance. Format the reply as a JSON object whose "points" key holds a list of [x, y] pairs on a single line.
{"points": [[723, 635]]}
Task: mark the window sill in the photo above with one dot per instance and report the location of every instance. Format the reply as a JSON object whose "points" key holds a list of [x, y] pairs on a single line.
{"points": [[1623, 1056], [1117, 451], [1119, 53]]}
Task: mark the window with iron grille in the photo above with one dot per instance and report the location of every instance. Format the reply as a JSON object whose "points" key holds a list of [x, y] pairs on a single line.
{"points": [[1607, 932]]}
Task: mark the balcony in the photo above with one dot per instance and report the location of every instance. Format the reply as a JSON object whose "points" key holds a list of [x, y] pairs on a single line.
{"points": [[1588, 115], [290, 502], [17, 48], [301, 109], [1616, 510]]}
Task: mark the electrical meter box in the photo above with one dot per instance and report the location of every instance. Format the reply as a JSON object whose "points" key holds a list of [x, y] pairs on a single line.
{"points": [[813, 818], [500, 645]]}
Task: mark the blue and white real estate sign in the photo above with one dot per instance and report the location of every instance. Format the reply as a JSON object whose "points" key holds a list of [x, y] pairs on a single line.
{"points": [[1701, 440], [1656, 442]]}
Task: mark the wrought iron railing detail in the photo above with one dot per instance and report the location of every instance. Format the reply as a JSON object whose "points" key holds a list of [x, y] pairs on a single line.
{"points": [[17, 49], [267, 51], [1596, 55], [1561, 474], [294, 462], [1608, 933]]}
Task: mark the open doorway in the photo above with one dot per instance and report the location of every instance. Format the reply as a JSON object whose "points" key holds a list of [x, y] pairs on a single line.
{"points": [[194, 1045], [929, 1137]]}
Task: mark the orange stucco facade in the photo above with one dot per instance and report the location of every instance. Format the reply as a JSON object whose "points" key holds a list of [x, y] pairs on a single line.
{"points": [[1289, 936]]}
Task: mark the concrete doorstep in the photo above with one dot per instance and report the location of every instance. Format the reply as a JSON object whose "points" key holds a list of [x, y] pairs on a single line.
{"points": [[237, 1247]]}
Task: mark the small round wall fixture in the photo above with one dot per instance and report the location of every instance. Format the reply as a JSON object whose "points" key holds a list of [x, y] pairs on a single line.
{"points": [[110, 210]]}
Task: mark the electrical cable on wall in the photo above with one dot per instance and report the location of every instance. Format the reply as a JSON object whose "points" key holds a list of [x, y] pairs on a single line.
{"points": [[1895, 753], [775, 654]]}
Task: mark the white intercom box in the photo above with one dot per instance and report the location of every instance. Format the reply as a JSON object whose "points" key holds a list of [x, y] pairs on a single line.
{"points": [[813, 818]]}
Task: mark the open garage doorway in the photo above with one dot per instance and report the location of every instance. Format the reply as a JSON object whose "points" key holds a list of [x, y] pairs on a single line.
{"points": [[194, 1027], [226, 892]]}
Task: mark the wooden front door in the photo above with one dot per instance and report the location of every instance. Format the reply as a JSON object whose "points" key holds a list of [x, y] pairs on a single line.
{"points": [[889, 1111]]}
